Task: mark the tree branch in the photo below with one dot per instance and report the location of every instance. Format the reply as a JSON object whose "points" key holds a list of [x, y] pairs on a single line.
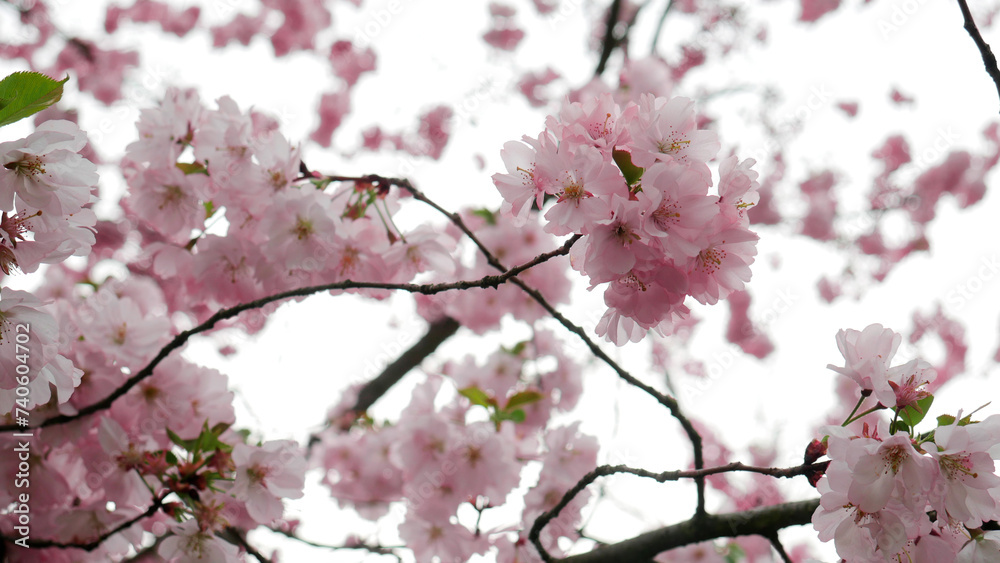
{"points": [[235, 537], [223, 314], [659, 27], [438, 331], [764, 521], [989, 60], [93, 544], [664, 476], [610, 42]]}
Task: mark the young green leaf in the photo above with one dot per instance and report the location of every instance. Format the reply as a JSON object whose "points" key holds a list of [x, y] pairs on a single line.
{"points": [[631, 172], [477, 396], [914, 413], [25, 93], [523, 398]]}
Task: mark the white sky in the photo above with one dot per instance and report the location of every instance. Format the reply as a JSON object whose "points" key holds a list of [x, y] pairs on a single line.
{"points": [[431, 52]]}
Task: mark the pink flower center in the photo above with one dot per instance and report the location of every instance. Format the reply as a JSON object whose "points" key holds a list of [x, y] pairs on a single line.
{"points": [[29, 166], [710, 259], [956, 466]]}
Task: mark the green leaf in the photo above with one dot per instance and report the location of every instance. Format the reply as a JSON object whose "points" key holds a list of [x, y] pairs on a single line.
{"points": [[516, 415], [913, 414], [171, 458], [487, 215], [523, 398], [734, 553], [899, 426], [517, 350], [23, 94], [209, 208], [477, 396], [186, 444], [192, 168], [631, 172], [945, 420]]}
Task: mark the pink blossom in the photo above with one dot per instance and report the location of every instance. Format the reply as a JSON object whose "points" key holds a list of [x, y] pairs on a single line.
{"points": [[583, 183], [723, 265], [894, 153], [22, 313], [615, 244], [98, 71], [818, 222], [849, 108], [45, 170], [967, 488], [738, 189], [241, 28], [188, 543], [265, 475], [451, 543], [525, 183], [598, 122], [333, 106], [666, 129], [676, 210], [532, 83], [434, 132], [168, 200], [899, 98], [813, 10], [983, 548], [303, 20], [894, 463], [349, 62], [165, 130], [176, 22], [741, 329], [867, 355]]}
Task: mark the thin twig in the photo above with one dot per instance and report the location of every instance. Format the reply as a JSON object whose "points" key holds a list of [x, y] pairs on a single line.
{"points": [[223, 314], [96, 542], [234, 536], [776, 544], [659, 27], [989, 60]]}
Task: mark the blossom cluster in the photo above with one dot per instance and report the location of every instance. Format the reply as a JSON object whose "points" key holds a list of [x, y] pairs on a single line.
{"points": [[441, 458], [891, 493], [228, 215], [635, 181]]}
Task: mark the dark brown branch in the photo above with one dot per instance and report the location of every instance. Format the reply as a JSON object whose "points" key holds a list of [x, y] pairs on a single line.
{"points": [[223, 314], [610, 41], [605, 470], [764, 521], [438, 331], [377, 549], [235, 537], [989, 60], [776, 544], [93, 544]]}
